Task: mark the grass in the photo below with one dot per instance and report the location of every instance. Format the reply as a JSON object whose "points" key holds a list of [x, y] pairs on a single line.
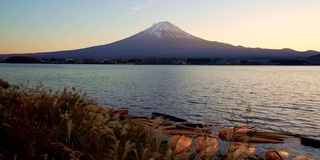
{"points": [[4, 84], [36, 123]]}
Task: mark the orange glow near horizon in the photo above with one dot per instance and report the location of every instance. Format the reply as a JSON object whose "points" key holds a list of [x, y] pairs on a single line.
{"points": [[33, 26]]}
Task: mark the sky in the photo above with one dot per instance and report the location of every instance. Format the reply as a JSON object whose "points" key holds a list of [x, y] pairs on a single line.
{"points": [[53, 25]]}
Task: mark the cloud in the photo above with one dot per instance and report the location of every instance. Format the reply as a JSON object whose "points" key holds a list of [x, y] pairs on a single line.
{"points": [[136, 8]]}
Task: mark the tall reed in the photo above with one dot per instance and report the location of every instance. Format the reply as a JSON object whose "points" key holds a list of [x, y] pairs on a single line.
{"points": [[36, 123]]}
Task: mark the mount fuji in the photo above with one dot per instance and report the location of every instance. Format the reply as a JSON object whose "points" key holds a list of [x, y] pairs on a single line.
{"points": [[165, 40]]}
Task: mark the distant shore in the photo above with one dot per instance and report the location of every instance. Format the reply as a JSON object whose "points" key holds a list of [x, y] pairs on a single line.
{"points": [[163, 61]]}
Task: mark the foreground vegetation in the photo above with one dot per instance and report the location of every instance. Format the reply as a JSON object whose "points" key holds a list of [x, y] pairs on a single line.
{"points": [[36, 123], [39, 124]]}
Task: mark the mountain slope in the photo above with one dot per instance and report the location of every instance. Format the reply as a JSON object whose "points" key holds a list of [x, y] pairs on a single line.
{"points": [[165, 40]]}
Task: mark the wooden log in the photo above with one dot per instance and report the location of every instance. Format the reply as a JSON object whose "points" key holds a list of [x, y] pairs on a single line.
{"points": [[310, 142], [184, 132]]}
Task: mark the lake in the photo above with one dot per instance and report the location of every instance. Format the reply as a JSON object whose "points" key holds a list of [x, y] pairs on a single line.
{"points": [[273, 98]]}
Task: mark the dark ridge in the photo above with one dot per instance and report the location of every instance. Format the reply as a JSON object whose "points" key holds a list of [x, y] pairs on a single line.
{"points": [[21, 59]]}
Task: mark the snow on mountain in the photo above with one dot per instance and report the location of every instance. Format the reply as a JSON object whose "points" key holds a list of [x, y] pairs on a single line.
{"points": [[166, 30], [165, 40]]}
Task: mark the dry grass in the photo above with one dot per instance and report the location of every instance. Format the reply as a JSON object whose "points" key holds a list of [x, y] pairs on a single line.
{"points": [[39, 124], [4, 84], [36, 123]]}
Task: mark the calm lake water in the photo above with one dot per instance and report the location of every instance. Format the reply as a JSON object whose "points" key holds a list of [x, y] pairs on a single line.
{"points": [[278, 98]]}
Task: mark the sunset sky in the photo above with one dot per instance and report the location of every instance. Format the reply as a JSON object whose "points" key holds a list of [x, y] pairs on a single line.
{"points": [[44, 25]]}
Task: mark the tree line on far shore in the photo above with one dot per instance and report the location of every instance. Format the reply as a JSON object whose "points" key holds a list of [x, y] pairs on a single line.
{"points": [[314, 60]]}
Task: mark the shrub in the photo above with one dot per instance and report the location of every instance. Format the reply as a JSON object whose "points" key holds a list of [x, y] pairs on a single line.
{"points": [[39, 124], [4, 84]]}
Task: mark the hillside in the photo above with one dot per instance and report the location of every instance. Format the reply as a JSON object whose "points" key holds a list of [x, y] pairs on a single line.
{"points": [[165, 40]]}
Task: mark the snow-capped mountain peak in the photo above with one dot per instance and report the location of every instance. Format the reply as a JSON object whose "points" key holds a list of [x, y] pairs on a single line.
{"points": [[165, 40], [166, 30]]}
